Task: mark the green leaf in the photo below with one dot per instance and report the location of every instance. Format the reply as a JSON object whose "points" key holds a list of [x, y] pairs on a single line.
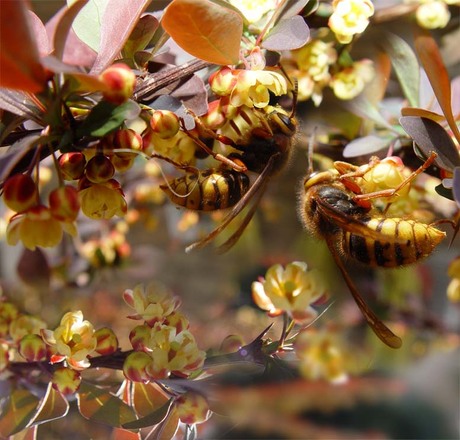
{"points": [[101, 406], [405, 64], [106, 117], [205, 30], [87, 24], [18, 412], [53, 406], [151, 419]]}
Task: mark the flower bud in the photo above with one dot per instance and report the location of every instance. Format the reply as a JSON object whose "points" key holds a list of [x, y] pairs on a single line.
{"points": [[192, 408], [32, 348], [64, 203], [99, 169], [120, 81], [127, 139], [20, 192], [164, 123], [134, 367], [107, 342], [123, 161], [66, 380], [140, 337], [72, 165], [223, 81]]}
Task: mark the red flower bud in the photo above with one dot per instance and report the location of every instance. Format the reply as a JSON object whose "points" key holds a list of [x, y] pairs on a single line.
{"points": [[120, 81], [72, 165], [164, 123], [64, 203], [107, 342], [32, 348], [99, 169], [20, 192]]}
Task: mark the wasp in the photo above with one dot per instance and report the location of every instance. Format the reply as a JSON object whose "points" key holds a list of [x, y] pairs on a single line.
{"points": [[264, 148], [333, 209], [208, 190]]}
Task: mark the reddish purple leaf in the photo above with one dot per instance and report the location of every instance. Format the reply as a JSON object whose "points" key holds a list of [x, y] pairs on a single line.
{"points": [[431, 136], [40, 35], [117, 23], [288, 34], [65, 41]]}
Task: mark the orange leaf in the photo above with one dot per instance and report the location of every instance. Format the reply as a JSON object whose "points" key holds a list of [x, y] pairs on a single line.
{"points": [[17, 412], [20, 66], [205, 30]]}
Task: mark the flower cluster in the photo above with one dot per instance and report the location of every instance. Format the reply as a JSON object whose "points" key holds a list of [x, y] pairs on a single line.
{"points": [[315, 65], [163, 344], [75, 339], [33, 223], [292, 290], [323, 355]]}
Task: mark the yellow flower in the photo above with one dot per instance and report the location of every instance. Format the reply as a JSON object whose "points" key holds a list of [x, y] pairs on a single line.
{"points": [[253, 86], [102, 200], [433, 15], [173, 352], [179, 148], [291, 290], [386, 174], [152, 303], [350, 82], [249, 87], [350, 17], [322, 356], [37, 227], [73, 340]]}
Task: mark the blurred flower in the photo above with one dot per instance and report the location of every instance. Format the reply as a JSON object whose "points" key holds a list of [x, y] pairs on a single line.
{"points": [[37, 227], [292, 290], [119, 80], [433, 14], [350, 82], [254, 10], [102, 200], [311, 68], [322, 355], [152, 303], [25, 325], [350, 17], [73, 340], [8, 312]]}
